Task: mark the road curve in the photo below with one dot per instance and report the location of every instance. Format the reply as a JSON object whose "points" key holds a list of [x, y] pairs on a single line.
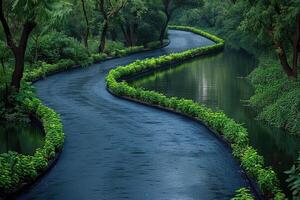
{"points": [[116, 149]]}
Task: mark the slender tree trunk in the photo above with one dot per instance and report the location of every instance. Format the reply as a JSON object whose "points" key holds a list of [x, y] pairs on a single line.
{"points": [[87, 28], [126, 37], [37, 46], [163, 30], [296, 48], [134, 34], [103, 36], [113, 34], [19, 68], [284, 62], [5, 95]]}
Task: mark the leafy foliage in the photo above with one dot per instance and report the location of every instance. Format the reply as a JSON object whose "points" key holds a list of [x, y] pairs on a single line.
{"points": [[16, 169], [294, 179], [231, 131], [276, 97], [243, 194], [56, 46]]}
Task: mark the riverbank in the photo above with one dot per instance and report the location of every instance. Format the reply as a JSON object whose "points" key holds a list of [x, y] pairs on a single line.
{"points": [[29, 169], [233, 132]]}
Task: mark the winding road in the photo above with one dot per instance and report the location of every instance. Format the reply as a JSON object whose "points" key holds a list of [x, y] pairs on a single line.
{"points": [[117, 149]]}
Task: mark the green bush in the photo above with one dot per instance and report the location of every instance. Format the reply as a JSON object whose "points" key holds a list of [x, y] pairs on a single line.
{"points": [[56, 46], [268, 181], [16, 169], [294, 178], [276, 97], [233, 132], [243, 194], [252, 162]]}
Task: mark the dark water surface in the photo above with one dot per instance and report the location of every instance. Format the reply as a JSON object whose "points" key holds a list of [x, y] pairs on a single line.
{"points": [[216, 81], [21, 137], [117, 149]]}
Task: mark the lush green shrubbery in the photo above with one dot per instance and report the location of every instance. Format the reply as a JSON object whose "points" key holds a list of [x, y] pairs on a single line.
{"points": [[243, 194], [294, 178], [17, 169], [276, 97], [56, 46], [232, 132]]}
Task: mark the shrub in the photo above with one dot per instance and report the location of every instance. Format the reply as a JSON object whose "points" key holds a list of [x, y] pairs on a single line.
{"points": [[243, 194], [294, 178], [16, 169], [252, 162], [56, 46], [276, 97], [268, 181]]}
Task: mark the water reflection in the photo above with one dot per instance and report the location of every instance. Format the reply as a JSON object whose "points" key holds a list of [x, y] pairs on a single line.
{"points": [[218, 82], [23, 138]]}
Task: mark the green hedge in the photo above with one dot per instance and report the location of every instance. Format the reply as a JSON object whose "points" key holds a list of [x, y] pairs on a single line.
{"points": [[232, 132], [17, 169], [243, 194]]}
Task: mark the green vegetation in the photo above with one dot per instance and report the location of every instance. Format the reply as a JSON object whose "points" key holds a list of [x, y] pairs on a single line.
{"points": [[276, 97], [38, 38], [232, 132], [17, 169], [271, 31], [243, 194], [294, 178], [46, 40]]}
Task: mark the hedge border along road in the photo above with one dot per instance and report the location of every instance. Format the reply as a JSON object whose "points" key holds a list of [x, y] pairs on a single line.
{"points": [[18, 171], [230, 131]]}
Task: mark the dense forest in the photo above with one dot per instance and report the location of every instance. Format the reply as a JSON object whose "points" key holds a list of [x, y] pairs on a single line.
{"points": [[40, 37]]}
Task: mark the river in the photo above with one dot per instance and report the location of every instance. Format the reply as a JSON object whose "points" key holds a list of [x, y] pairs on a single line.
{"points": [[218, 81], [117, 149]]}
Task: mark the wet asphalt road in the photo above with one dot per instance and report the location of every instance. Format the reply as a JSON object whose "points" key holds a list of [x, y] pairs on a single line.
{"points": [[117, 149]]}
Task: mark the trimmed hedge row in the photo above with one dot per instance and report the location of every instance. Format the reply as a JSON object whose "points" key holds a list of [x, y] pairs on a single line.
{"points": [[45, 69], [231, 131], [17, 170]]}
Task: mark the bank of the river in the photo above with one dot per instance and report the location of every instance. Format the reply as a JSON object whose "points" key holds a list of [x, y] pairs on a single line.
{"points": [[219, 82], [229, 129], [130, 151], [19, 171]]}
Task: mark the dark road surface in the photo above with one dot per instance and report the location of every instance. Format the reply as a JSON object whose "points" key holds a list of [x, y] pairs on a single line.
{"points": [[116, 149]]}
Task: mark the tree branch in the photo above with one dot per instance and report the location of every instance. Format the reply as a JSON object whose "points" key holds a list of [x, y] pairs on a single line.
{"points": [[9, 38]]}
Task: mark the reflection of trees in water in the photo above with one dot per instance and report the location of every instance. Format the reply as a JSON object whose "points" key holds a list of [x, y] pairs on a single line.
{"points": [[215, 81], [20, 137]]}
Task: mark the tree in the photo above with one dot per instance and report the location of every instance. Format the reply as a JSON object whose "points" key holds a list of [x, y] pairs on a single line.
{"points": [[108, 9], [87, 28], [130, 19], [4, 57], [28, 13], [169, 7], [279, 22]]}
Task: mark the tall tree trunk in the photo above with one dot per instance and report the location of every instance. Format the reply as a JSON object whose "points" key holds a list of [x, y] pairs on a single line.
{"points": [[103, 36], [163, 30], [134, 34], [5, 95], [284, 62], [19, 54], [113, 34], [19, 68], [296, 48], [126, 37], [87, 28]]}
